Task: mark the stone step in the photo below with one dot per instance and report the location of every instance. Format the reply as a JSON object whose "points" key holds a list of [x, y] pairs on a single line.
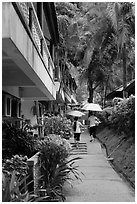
{"points": [[79, 143], [78, 153], [82, 149], [73, 147]]}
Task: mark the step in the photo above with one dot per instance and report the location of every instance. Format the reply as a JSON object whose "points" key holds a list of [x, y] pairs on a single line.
{"points": [[82, 149], [77, 153]]}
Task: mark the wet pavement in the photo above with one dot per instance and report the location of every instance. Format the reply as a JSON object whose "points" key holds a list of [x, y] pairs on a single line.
{"points": [[100, 183]]}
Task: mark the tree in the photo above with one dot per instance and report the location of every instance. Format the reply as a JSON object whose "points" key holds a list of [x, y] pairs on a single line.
{"points": [[109, 41], [100, 60], [123, 21], [93, 38]]}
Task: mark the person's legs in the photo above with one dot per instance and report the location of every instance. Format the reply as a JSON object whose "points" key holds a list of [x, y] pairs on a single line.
{"points": [[94, 132], [78, 138], [75, 138], [91, 134]]}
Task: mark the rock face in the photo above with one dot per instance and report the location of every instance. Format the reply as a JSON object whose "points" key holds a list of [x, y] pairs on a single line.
{"points": [[122, 151]]}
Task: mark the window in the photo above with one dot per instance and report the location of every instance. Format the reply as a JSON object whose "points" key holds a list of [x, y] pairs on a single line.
{"points": [[3, 104], [11, 106], [19, 110], [40, 110], [14, 108], [7, 105]]}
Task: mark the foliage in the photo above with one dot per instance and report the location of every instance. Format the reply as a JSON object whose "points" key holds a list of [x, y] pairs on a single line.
{"points": [[58, 126], [12, 190], [106, 28], [103, 117], [17, 141], [123, 117], [17, 163], [55, 169], [57, 139]]}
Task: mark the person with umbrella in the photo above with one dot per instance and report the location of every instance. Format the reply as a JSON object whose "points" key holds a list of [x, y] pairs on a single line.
{"points": [[93, 123], [77, 131]]}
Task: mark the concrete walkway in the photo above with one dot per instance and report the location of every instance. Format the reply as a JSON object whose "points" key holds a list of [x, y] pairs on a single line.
{"points": [[100, 183]]}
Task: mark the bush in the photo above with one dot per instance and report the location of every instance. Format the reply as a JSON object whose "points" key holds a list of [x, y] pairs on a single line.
{"points": [[17, 163], [14, 171], [57, 139], [103, 117], [16, 141], [55, 169], [123, 117], [12, 190], [58, 126]]}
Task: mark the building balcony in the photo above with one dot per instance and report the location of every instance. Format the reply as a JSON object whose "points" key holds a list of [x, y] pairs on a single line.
{"points": [[26, 61]]}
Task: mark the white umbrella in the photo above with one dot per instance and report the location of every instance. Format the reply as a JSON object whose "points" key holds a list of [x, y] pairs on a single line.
{"points": [[75, 113], [92, 107]]}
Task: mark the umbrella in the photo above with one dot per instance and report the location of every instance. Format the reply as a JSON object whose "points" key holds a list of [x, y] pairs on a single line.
{"points": [[75, 113], [92, 107]]}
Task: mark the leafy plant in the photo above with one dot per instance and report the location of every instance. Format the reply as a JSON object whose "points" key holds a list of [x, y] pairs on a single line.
{"points": [[16, 163], [57, 139], [16, 141], [11, 191], [55, 169], [57, 125], [123, 117]]}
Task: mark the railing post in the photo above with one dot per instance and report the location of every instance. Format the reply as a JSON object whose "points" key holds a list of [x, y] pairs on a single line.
{"points": [[31, 176], [34, 173]]}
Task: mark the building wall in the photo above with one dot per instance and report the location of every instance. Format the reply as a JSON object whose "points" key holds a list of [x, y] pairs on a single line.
{"points": [[13, 90], [20, 48]]}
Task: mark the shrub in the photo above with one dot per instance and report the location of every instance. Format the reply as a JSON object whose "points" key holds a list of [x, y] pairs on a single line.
{"points": [[12, 190], [57, 139], [103, 117], [16, 141], [58, 126], [17, 163], [123, 117], [55, 169]]}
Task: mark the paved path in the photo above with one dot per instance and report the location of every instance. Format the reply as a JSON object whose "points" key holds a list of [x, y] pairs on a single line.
{"points": [[100, 183]]}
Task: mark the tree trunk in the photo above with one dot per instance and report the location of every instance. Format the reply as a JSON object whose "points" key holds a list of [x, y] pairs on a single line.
{"points": [[91, 90], [124, 70], [105, 91]]}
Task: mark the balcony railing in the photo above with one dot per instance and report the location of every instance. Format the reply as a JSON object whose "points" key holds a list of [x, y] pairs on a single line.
{"points": [[28, 16]]}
